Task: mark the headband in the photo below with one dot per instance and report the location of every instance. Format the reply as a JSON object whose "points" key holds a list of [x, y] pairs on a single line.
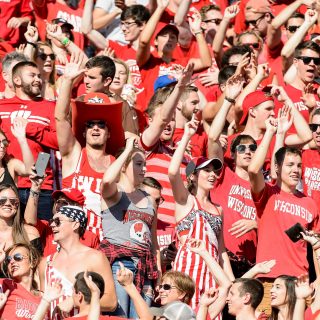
{"points": [[76, 214]]}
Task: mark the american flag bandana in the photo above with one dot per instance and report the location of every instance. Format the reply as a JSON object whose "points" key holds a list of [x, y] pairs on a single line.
{"points": [[76, 214]]}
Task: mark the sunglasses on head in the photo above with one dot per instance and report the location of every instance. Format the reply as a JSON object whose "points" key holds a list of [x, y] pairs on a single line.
{"points": [[293, 29], [101, 124], [215, 21], [166, 286], [241, 148], [307, 60], [44, 56], [57, 221], [314, 126], [16, 257], [13, 201]]}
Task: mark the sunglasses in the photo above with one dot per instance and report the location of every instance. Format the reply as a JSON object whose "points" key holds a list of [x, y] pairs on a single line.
{"points": [[4, 142], [293, 29], [166, 286], [314, 126], [57, 221], [254, 23], [44, 56], [159, 201], [307, 60], [215, 21], [241, 148], [255, 45], [101, 124], [16, 257], [13, 201]]}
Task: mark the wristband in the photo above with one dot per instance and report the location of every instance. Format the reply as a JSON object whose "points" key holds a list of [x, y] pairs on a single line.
{"points": [[197, 32], [230, 100], [34, 193], [65, 41], [32, 44]]}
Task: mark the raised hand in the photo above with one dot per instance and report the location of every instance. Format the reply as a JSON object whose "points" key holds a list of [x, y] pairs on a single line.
{"points": [[231, 11], [31, 34], [234, 86], [131, 142], [209, 297], [124, 275], [209, 78], [308, 96], [91, 285], [14, 23], [36, 181], [162, 3], [311, 16], [196, 246], [53, 291], [271, 125], [310, 237], [244, 62], [120, 4], [285, 119], [264, 267], [18, 127], [107, 52], [191, 127], [263, 70], [279, 93], [3, 298], [21, 47], [186, 75], [54, 31], [195, 22], [302, 287], [241, 227], [73, 68]]}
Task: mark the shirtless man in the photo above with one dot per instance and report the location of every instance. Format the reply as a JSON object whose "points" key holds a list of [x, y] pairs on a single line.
{"points": [[68, 225]]}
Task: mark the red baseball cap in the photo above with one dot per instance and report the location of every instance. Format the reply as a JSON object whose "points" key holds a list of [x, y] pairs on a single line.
{"points": [[201, 162], [71, 193], [252, 100]]}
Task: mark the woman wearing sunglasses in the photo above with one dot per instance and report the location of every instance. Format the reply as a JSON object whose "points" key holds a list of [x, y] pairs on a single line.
{"points": [[196, 215], [129, 225], [19, 290]]}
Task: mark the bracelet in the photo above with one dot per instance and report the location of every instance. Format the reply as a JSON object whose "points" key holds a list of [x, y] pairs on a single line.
{"points": [[65, 41], [34, 193], [315, 243], [233, 101], [32, 44], [197, 32]]}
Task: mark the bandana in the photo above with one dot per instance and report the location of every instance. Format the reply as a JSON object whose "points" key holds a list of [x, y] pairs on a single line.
{"points": [[76, 214]]}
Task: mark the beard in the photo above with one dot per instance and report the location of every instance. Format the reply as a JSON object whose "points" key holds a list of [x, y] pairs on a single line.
{"points": [[31, 91]]}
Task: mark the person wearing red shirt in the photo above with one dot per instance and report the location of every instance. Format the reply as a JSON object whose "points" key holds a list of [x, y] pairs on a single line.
{"points": [[279, 207], [40, 131]]}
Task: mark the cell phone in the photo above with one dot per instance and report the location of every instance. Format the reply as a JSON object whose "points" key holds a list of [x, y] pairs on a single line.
{"points": [[41, 164], [172, 246], [294, 233]]}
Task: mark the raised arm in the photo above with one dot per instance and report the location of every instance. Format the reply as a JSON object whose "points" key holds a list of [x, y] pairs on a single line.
{"points": [[31, 36], [256, 164], [181, 14], [217, 44], [102, 18], [165, 113], [95, 310], [66, 140], [143, 52], [205, 60], [180, 192], [15, 166]]}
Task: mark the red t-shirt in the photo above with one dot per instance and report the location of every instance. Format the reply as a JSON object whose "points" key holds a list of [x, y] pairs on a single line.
{"points": [[311, 174], [100, 318], [233, 194], [277, 211], [21, 304], [10, 9], [199, 141], [50, 246], [52, 9], [154, 68], [41, 131]]}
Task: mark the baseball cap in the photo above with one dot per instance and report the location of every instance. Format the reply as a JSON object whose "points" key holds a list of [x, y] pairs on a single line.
{"points": [[62, 23], [175, 310], [252, 100], [165, 27], [71, 193], [201, 162], [164, 81]]}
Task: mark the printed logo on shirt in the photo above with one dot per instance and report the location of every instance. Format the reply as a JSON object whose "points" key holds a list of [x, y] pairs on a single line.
{"points": [[312, 179], [25, 309], [293, 209], [302, 107], [164, 239], [72, 19], [140, 232], [131, 215], [237, 205]]}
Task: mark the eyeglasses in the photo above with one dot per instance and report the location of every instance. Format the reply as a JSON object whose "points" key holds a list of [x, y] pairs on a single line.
{"points": [[314, 126], [127, 25], [254, 23], [13, 201], [100, 123], [57, 221], [255, 45], [215, 21], [44, 56], [166, 286], [16, 257], [159, 201], [4, 142], [241, 148], [293, 29], [307, 60]]}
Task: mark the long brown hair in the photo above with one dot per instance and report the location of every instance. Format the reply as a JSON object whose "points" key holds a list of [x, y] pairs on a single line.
{"points": [[19, 234]]}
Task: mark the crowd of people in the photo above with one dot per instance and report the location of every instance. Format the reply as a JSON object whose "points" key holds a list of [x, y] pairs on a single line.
{"points": [[183, 139]]}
